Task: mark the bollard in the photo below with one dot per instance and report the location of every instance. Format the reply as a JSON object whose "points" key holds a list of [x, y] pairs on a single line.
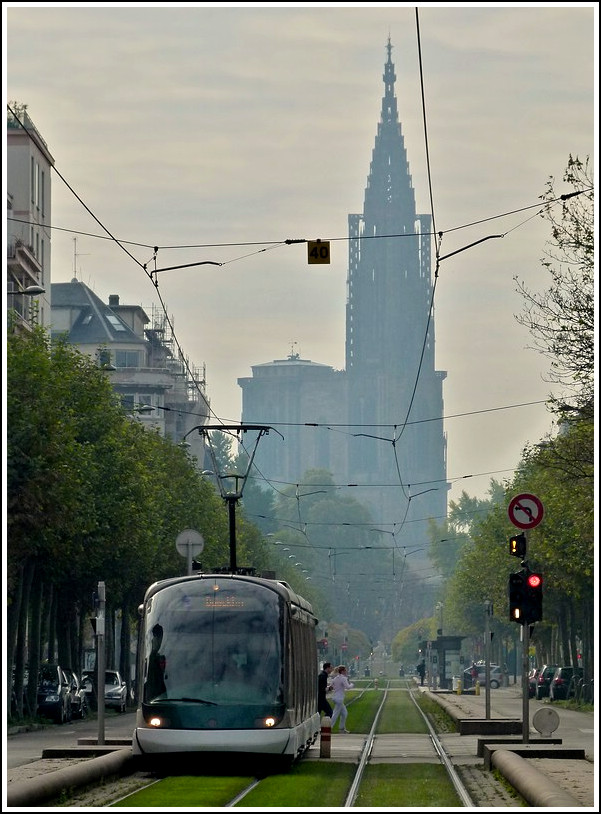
{"points": [[477, 688], [376, 683], [325, 740], [459, 687]]}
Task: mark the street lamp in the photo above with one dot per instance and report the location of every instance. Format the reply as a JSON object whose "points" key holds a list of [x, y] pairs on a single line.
{"points": [[439, 607], [231, 484], [30, 291]]}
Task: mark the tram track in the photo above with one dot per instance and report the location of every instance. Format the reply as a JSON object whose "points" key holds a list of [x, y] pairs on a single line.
{"points": [[353, 757], [366, 752]]}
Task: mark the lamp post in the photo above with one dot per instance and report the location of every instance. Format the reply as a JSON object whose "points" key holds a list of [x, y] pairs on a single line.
{"points": [[233, 493], [30, 291], [439, 607]]}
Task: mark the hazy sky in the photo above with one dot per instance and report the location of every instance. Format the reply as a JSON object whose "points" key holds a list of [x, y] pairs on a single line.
{"points": [[234, 127]]}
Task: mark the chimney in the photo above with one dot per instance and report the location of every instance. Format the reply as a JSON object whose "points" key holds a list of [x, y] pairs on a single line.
{"points": [[113, 300]]}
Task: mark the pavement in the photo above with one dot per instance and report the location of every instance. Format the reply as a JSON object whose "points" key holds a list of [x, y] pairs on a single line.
{"points": [[544, 774]]}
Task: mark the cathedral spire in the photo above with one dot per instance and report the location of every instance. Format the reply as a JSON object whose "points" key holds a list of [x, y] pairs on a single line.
{"points": [[389, 107]]}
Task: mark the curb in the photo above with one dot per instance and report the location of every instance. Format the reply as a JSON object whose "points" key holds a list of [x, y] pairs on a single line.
{"points": [[533, 785], [51, 786]]}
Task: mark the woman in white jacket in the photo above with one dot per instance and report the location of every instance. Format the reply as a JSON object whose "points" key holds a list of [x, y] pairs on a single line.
{"points": [[340, 684]]}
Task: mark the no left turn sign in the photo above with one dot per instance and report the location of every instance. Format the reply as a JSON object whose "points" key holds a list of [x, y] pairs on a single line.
{"points": [[525, 511]]}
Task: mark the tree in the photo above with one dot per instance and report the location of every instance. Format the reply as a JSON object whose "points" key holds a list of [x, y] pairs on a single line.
{"points": [[562, 319]]}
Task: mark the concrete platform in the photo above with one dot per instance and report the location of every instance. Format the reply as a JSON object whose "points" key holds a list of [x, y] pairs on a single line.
{"points": [[509, 741], [489, 726]]}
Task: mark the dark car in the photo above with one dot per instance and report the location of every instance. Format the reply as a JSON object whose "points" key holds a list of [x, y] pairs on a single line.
{"points": [[544, 679], [54, 696], [563, 683], [79, 701], [532, 680]]}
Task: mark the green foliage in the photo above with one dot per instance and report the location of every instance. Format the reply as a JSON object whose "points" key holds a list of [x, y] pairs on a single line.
{"points": [[93, 496]]}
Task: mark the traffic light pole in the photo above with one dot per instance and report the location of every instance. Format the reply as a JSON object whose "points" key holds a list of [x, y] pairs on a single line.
{"points": [[525, 671]]}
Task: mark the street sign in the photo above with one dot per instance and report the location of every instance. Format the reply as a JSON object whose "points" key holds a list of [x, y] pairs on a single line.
{"points": [[189, 542], [525, 511], [318, 251]]}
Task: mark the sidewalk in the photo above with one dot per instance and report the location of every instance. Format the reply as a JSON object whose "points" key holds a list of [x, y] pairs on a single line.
{"points": [[537, 778]]}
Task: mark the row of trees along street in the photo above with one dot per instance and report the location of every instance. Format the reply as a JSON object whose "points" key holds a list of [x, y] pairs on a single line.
{"points": [[93, 496]]}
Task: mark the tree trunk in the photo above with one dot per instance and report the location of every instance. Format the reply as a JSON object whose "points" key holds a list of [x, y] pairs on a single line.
{"points": [[64, 617], [51, 622], [32, 598], [12, 628]]}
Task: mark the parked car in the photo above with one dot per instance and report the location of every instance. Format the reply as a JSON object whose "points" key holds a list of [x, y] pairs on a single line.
{"points": [[532, 680], [496, 676], [544, 679], [79, 701], [563, 683], [54, 696], [115, 689]]}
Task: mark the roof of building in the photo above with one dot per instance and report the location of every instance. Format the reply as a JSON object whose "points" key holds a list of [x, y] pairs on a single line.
{"points": [[96, 322]]}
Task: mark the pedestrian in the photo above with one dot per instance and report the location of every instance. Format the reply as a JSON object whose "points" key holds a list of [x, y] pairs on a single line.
{"points": [[340, 684], [323, 705], [421, 671]]}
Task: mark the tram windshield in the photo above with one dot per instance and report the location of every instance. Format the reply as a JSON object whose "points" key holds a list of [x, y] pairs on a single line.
{"points": [[213, 642]]}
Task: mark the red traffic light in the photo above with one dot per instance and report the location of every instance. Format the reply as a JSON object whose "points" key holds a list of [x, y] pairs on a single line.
{"points": [[535, 581]]}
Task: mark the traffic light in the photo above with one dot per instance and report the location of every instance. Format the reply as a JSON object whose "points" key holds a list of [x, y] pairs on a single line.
{"points": [[517, 546], [517, 597], [534, 597]]}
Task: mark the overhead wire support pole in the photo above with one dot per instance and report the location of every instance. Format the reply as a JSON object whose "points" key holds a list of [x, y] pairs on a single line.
{"points": [[231, 496]]}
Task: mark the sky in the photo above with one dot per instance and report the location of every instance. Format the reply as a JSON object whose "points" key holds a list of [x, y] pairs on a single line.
{"points": [[231, 128]]}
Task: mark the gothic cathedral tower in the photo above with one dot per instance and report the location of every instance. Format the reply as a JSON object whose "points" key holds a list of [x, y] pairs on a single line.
{"points": [[390, 393], [394, 391]]}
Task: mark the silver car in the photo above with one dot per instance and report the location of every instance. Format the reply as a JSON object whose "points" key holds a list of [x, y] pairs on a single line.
{"points": [[496, 676], [115, 689]]}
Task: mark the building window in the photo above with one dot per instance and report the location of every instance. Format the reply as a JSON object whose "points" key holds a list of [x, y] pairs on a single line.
{"points": [[115, 322], [127, 358]]}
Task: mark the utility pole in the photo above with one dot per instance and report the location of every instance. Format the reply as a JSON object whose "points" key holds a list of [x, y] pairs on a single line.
{"points": [[487, 615], [100, 659]]}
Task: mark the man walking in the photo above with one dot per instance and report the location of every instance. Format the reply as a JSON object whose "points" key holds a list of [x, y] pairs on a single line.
{"points": [[323, 705]]}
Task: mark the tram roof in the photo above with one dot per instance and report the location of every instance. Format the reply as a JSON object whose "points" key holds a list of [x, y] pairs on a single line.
{"points": [[279, 586]]}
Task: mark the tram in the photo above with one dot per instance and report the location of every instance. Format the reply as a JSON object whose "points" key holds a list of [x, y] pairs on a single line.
{"points": [[226, 663]]}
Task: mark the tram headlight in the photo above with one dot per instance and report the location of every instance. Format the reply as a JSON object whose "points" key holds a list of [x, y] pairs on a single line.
{"points": [[156, 722], [269, 721]]}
